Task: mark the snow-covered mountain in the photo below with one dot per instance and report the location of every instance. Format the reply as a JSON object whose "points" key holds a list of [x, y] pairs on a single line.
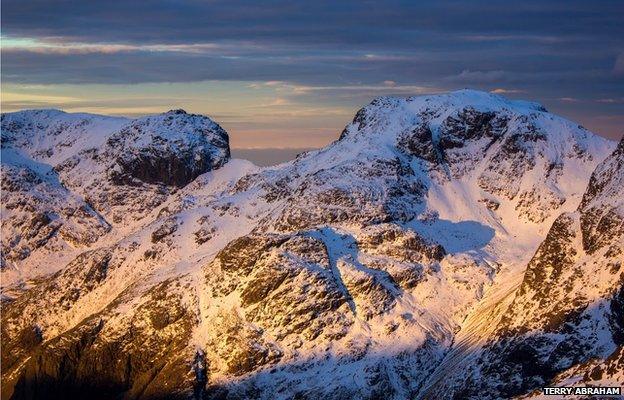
{"points": [[351, 272], [82, 174], [565, 324]]}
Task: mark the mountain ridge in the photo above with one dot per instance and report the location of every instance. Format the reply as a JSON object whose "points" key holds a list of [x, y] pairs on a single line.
{"points": [[358, 261]]}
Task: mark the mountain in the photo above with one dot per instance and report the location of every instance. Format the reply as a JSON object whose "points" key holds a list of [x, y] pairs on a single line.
{"points": [[565, 324], [82, 174], [349, 272]]}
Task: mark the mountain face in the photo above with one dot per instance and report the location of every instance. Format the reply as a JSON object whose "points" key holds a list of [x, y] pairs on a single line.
{"points": [[566, 322], [79, 175], [39, 211], [351, 272], [140, 164]]}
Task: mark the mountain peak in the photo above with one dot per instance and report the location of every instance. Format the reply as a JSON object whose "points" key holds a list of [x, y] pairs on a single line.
{"points": [[442, 123], [176, 111]]}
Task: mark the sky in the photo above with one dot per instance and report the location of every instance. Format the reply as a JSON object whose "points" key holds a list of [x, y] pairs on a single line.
{"points": [[291, 74]]}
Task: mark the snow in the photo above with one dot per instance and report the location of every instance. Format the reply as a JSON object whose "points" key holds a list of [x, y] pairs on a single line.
{"points": [[66, 133]]}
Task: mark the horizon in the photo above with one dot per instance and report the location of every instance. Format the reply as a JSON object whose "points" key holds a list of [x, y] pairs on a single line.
{"points": [[285, 75]]}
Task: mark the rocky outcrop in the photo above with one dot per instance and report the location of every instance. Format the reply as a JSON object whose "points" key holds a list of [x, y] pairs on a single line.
{"points": [[170, 149], [72, 335], [285, 283], [145, 161], [602, 219], [145, 358]]}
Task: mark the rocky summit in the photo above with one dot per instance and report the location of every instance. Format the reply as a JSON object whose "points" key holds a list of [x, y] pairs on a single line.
{"points": [[455, 246]]}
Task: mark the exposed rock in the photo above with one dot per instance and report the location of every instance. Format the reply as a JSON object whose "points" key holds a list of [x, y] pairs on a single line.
{"points": [[39, 214], [167, 228], [403, 244], [171, 149]]}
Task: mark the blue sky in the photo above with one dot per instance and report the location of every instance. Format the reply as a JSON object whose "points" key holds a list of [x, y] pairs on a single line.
{"points": [[292, 74]]}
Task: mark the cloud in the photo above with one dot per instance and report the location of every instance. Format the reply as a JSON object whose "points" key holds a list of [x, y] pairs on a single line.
{"points": [[13, 101], [347, 22], [367, 88], [611, 101], [568, 99], [44, 47], [514, 38], [276, 102], [506, 91], [420, 43]]}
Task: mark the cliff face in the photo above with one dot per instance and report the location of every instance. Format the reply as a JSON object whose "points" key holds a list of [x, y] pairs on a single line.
{"points": [[565, 323], [347, 272]]}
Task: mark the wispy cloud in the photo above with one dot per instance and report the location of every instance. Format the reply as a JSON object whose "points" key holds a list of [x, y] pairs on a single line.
{"points": [[387, 86], [506, 91], [57, 47], [478, 76], [13, 101], [611, 101], [412, 89], [569, 99]]}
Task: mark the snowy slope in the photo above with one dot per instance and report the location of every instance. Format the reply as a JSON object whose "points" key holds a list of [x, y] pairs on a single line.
{"points": [[345, 273], [52, 136], [70, 178], [41, 217], [565, 323]]}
